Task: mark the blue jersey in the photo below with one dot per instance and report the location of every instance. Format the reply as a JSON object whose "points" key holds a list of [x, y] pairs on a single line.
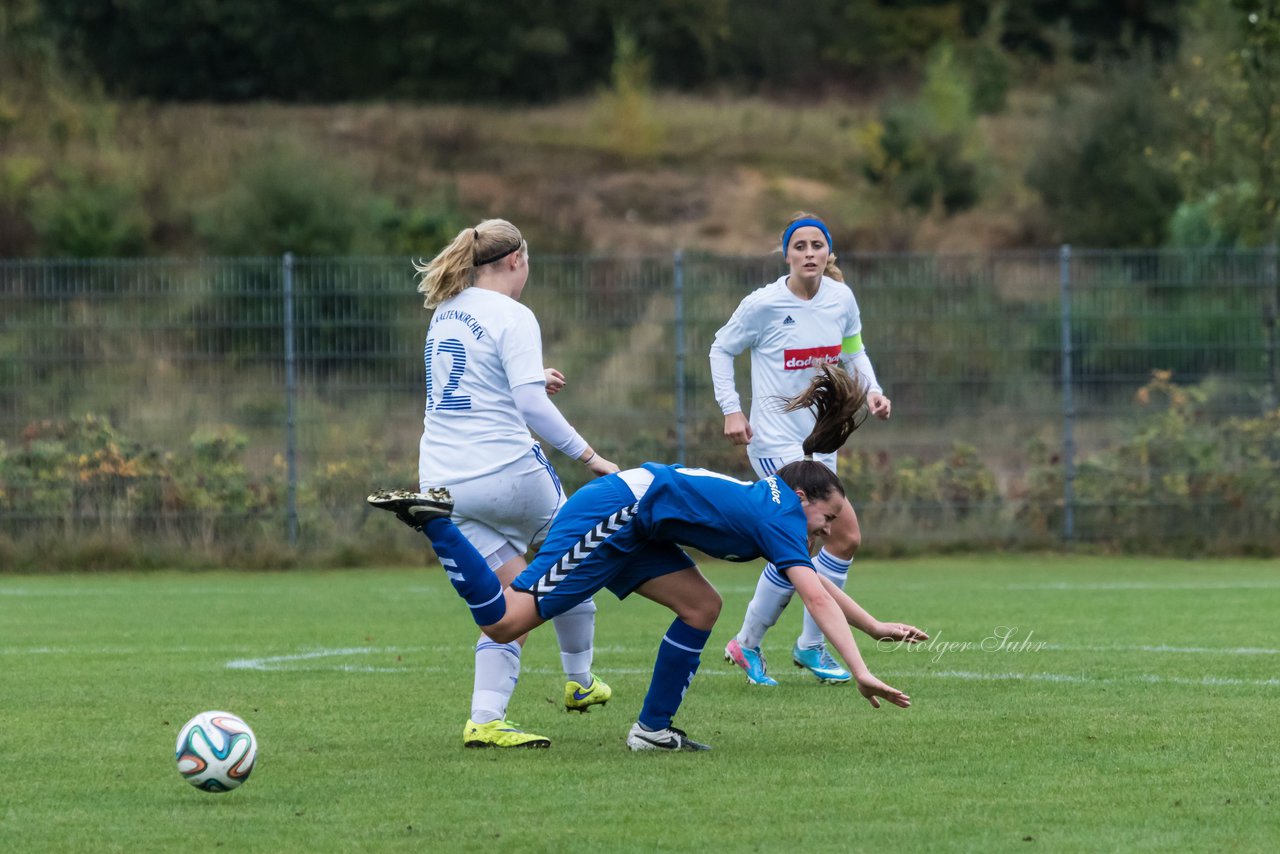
{"points": [[725, 517], [607, 537]]}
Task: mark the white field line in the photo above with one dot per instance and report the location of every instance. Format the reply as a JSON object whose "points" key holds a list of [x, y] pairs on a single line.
{"points": [[1144, 678], [283, 662], [459, 648], [1206, 650], [612, 649], [305, 661], [1146, 585]]}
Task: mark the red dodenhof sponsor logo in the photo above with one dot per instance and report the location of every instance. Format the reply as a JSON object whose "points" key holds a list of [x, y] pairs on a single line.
{"points": [[811, 357]]}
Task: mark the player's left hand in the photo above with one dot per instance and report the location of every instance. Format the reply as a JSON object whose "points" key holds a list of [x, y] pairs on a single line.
{"points": [[875, 690], [555, 380], [879, 405], [902, 632]]}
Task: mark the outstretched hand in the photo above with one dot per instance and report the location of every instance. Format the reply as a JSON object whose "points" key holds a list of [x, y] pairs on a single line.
{"points": [[902, 632], [875, 690]]}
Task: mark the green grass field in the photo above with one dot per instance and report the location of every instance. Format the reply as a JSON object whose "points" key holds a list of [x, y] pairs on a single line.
{"points": [[1147, 719]]}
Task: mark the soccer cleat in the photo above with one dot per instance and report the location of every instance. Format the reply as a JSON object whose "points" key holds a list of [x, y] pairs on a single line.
{"points": [[750, 660], [415, 509], [580, 699], [820, 663], [500, 734], [663, 739]]}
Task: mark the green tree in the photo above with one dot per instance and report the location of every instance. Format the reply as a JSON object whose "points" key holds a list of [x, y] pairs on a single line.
{"points": [[1228, 93], [1101, 175], [928, 151]]}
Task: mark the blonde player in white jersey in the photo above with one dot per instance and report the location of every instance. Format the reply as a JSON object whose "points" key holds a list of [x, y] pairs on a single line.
{"points": [[804, 319], [486, 387]]}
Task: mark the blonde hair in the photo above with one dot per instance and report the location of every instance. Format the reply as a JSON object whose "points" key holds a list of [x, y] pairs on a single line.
{"points": [[831, 270], [454, 269]]}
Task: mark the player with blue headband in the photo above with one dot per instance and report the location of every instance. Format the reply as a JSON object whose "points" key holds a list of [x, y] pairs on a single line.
{"points": [[805, 319]]}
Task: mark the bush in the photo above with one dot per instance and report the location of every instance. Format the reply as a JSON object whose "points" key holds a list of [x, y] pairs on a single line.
{"points": [[287, 201], [83, 217], [82, 478], [1099, 173], [927, 151], [1180, 467], [1218, 220]]}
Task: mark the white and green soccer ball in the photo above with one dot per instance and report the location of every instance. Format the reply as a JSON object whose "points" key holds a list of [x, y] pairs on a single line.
{"points": [[216, 751]]}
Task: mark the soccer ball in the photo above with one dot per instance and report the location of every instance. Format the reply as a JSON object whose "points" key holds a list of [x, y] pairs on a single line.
{"points": [[216, 751]]}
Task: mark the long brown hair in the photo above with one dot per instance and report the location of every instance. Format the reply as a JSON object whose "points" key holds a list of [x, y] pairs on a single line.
{"points": [[839, 403], [831, 270]]}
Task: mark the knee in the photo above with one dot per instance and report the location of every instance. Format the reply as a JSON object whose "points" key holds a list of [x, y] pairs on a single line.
{"points": [[704, 613], [846, 546], [843, 541], [501, 633]]}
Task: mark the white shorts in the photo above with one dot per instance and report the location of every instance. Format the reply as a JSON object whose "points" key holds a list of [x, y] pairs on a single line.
{"points": [[505, 513], [766, 466]]}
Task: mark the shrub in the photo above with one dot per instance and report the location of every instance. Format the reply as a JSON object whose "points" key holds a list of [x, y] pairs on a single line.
{"points": [[927, 151], [84, 217], [1099, 173], [286, 200], [1179, 468]]}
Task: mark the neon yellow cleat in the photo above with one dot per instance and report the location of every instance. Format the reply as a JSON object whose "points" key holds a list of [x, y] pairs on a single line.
{"points": [[500, 734], [580, 698]]}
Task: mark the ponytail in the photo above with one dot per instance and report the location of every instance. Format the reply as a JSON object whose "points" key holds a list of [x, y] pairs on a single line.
{"points": [[454, 269], [839, 403]]}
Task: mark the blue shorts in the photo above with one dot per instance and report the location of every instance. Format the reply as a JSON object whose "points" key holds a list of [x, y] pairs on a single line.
{"points": [[596, 542]]}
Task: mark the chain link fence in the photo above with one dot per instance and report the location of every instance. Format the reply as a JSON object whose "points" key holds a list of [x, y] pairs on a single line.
{"points": [[222, 406]]}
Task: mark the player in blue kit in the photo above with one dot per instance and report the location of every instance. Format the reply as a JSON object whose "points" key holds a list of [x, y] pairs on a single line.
{"points": [[624, 532]]}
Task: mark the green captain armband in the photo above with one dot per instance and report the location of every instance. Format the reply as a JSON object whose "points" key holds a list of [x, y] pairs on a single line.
{"points": [[852, 344]]}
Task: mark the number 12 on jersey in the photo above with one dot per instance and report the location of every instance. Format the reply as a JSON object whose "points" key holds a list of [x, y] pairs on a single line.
{"points": [[450, 359]]}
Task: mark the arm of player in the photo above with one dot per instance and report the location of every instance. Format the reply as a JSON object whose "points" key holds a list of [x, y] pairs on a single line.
{"points": [[860, 619], [543, 418], [857, 362], [736, 427], [830, 619]]}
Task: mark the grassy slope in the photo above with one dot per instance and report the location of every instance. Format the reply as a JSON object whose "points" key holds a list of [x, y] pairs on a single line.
{"points": [[1115, 741], [702, 173]]}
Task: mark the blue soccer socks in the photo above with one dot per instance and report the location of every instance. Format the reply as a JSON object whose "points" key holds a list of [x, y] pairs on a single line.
{"points": [[678, 658], [467, 571]]}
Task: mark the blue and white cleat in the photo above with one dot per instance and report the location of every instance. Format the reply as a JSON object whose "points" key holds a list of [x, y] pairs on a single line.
{"points": [[820, 663], [750, 660]]}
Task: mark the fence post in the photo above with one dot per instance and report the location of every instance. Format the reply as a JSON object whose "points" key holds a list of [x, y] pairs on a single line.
{"points": [[290, 393], [680, 356], [1269, 320], [1068, 403]]}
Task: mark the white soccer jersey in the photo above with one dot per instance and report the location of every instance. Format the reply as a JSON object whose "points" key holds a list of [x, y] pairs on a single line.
{"points": [[480, 345], [788, 337]]}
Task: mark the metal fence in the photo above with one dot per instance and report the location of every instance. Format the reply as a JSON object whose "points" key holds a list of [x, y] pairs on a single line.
{"points": [[1040, 398]]}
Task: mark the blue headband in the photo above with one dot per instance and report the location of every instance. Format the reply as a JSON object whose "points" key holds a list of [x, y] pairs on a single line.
{"points": [[801, 223]]}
